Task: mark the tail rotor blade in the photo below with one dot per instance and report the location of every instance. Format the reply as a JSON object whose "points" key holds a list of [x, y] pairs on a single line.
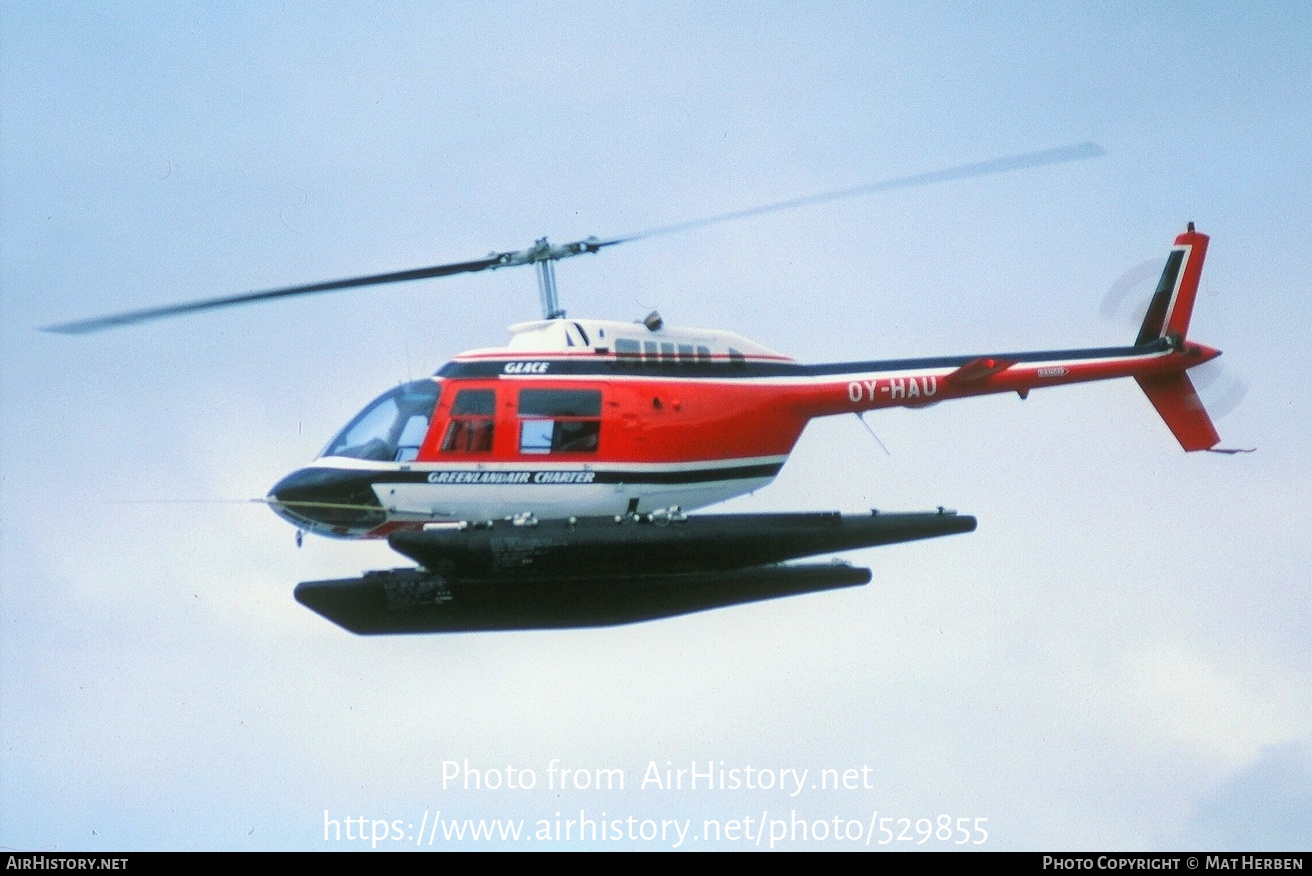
{"points": [[1127, 298], [1219, 387]]}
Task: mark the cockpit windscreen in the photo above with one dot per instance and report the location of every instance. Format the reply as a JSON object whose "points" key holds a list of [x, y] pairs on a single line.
{"points": [[392, 427]]}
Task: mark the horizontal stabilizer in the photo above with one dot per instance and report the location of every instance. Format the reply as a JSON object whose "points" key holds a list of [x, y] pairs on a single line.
{"points": [[978, 369], [1179, 405]]}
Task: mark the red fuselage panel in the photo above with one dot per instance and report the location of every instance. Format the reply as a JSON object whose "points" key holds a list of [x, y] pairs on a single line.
{"points": [[641, 421]]}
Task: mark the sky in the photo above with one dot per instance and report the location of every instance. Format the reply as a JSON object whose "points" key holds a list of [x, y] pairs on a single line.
{"points": [[1118, 658]]}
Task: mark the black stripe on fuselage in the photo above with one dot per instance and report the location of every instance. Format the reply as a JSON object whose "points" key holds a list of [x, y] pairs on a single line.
{"points": [[748, 369], [694, 476], [529, 477]]}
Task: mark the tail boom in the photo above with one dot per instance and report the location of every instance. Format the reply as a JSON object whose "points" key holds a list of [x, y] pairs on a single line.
{"points": [[1158, 361]]}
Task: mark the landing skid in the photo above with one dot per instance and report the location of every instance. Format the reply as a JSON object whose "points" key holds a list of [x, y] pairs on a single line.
{"points": [[604, 571], [416, 601]]}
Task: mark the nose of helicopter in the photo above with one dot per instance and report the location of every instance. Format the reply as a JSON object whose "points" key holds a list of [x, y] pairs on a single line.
{"points": [[327, 500]]}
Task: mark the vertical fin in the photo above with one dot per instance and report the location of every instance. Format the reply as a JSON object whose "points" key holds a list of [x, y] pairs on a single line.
{"points": [[1173, 303]]}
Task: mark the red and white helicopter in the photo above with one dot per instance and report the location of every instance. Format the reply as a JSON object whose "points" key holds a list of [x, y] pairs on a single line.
{"points": [[571, 455]]}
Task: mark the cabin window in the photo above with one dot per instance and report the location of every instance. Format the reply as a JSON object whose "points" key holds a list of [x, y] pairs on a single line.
{"points": [[686, 356], [703, 353], [627, 348], [737, 359], [392, 427], [470, 429], [559, 420]]}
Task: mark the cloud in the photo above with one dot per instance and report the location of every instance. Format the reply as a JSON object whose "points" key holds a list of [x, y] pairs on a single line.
{"points": [[1266, 806], [1224, 710]]}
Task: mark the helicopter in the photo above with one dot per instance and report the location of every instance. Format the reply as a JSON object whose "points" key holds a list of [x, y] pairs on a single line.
{"points": [[548, 482]]}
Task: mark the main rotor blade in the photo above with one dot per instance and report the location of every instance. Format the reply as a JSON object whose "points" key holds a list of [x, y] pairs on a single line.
{"points": [[104, 322], [544, 251], [965, 171]]}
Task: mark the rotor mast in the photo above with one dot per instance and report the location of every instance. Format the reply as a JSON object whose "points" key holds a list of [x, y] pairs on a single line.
{"points": [[547, 282], [543, 256]]}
